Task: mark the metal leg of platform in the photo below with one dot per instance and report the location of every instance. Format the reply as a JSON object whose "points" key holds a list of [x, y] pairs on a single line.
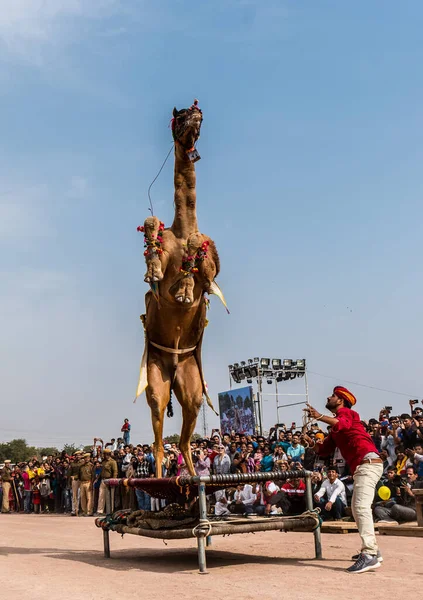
{"points": [[106, 542], [309, 504], [201, 537]]}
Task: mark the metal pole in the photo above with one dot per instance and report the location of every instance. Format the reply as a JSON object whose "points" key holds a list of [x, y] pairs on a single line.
{"points": [[309, 504], [106, 543], [277, 402], [204, 415], [259, 394], [201, 538], [256, 427], [306, 385]]}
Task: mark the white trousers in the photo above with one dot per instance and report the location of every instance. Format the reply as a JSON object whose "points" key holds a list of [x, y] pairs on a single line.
{"points": [[366, 477]]}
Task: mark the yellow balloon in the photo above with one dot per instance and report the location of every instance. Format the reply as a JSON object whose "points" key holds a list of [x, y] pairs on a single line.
{"points": [[384, 492]]}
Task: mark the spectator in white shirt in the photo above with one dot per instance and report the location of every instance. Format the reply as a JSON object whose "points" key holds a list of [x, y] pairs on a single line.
{"points": [[112, 445], [244, 499], [331, 497], [221, 506]]}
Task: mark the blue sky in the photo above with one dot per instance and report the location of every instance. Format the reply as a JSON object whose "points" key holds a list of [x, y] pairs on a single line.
{"points": [[310, 184]]}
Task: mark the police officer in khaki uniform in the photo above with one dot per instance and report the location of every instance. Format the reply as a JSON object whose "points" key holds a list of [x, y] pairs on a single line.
{"points": [[86, 476], [74, 477], [109, 470], [6, 479]]}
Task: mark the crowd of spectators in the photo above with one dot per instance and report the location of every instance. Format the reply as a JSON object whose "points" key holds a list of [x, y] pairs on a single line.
{"points": [[73, 484]]}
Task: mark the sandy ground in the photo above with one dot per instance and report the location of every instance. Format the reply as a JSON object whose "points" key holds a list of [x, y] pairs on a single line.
{"points": [[62, 557]]}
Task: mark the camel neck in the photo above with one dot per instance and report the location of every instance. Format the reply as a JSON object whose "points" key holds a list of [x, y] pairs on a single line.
{"points": [[185, 220]]}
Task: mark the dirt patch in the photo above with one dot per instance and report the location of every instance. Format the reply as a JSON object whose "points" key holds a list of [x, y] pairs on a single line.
{"points": [[48, 556]]}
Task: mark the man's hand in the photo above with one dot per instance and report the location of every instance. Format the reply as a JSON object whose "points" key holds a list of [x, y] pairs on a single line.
{"points": [[316, 498], [410, 453], [312, 412], [328, 506], [408, 490]]}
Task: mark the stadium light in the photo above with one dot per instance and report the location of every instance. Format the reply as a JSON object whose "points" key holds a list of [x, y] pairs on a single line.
{"points": [[269, 370]]}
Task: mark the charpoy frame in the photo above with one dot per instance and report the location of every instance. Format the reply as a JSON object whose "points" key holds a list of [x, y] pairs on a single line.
{"points": [[205, 529]]}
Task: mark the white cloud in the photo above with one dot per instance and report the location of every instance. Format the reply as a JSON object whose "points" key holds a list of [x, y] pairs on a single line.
{"points": [[30, 29]]}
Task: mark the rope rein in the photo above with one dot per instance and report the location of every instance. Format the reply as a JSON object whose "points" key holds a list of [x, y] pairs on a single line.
{"points": [[156, 177]]}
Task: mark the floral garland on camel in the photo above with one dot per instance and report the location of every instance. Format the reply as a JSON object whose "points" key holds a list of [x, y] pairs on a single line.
{"points": [[191, 263], [152, 244]]}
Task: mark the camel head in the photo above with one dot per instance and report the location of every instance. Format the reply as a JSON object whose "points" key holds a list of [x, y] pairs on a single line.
{"points": [[186, 125]]}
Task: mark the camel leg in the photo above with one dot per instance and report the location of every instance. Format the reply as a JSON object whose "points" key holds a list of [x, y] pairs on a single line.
{"points": [[158, 394], [155, 268], [185, 291], [189, 392], [208, 268]]}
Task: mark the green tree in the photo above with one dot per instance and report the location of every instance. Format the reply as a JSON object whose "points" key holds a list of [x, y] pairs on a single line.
{"points": [[70, 448], [16, 451], [173, 439]]}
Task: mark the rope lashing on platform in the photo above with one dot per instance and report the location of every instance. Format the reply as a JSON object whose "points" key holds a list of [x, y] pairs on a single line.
{"points": [[315, 513], [204, 528]]}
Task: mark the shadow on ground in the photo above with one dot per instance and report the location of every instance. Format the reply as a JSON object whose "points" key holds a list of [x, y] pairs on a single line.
{"points": [[167, 561]]}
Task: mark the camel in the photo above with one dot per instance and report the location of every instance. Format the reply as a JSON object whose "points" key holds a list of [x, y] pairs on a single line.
{"points": [[182, 265]]}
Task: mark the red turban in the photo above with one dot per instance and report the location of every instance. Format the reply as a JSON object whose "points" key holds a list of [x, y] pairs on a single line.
{"points": [[344, 394]]}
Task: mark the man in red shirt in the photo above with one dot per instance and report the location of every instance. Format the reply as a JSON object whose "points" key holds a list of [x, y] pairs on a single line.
{"points": [[295, 490], [356, 446]]}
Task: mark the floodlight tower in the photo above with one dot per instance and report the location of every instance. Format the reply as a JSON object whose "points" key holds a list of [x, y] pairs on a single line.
{"points": [[272, 370], [204, 418]]}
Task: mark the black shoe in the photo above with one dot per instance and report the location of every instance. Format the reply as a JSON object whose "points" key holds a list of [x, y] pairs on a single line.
{"points": [[364, 562], [378, 556]]}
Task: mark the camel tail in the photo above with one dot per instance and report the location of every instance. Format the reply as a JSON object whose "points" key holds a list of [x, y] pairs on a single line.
{"points": [[210, 403], [169, 412]]}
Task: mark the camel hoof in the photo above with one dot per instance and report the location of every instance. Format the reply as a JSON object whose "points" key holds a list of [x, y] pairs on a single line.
{"points": [[147, 279], [187, 300], [155, 278], [179, 299]]}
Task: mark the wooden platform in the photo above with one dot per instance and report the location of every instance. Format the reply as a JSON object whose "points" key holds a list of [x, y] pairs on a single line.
{"points": [[341, 527], [406, 529], [338, 527]]}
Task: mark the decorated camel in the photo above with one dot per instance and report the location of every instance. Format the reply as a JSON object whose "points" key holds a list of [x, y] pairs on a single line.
{"points": [[182, 264]]}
